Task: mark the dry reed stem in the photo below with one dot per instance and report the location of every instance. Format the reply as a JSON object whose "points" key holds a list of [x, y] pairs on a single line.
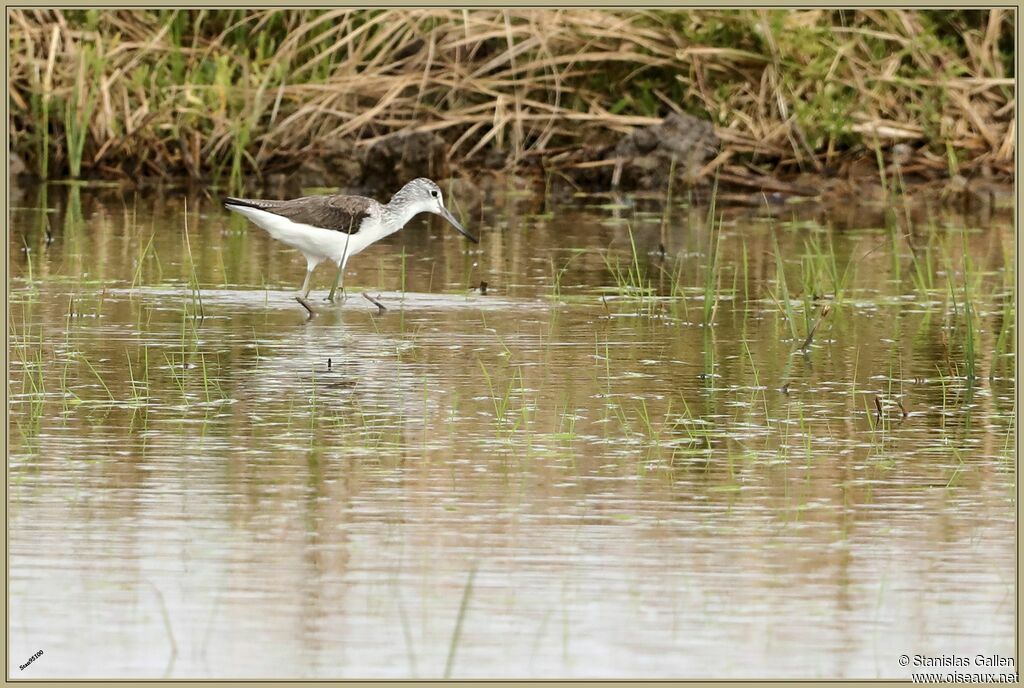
{"points": [[520, 80]]}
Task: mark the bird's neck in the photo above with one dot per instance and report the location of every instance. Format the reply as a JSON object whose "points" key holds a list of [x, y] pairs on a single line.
{"points": [[398, 213]]}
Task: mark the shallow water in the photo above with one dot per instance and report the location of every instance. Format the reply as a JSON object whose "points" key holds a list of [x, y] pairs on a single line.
{"points": [[570, 475]]}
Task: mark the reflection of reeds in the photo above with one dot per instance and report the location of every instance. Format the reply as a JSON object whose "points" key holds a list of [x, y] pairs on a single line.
{"points": [[229, 92]]}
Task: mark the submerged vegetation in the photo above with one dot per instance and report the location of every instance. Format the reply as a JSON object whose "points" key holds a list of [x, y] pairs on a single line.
{"points": [[218, 94]]}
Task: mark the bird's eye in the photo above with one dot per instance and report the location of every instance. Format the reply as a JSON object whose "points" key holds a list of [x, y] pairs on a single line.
{"points": [[434, 194]]}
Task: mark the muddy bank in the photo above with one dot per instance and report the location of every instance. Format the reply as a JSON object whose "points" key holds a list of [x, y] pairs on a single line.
{"points": [[680, 155]]}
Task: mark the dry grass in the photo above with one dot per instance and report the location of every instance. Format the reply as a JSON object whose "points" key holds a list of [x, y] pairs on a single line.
{"points": [[216, 94]]}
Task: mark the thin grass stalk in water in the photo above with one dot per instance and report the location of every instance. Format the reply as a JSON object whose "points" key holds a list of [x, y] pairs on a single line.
{"points": [[137, 276], [711, 273], [457, 633], [193, 284], [711, 277], [783, 297], [100, 378]]}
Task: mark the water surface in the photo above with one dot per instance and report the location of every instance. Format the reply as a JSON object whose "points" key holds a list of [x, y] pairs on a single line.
{"points": [[616, 462]]}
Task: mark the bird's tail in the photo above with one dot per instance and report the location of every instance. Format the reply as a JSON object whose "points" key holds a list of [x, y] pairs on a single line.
{"points": [[275, 225], [230, 202]]}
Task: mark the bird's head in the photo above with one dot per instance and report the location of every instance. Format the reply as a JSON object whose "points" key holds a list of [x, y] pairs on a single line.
{"points": [[424, 196]]}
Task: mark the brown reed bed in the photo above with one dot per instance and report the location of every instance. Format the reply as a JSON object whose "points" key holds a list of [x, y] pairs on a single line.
{"points": [[216, 95]]}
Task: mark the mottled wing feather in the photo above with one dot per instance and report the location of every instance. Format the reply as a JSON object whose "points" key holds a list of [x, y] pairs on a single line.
{"points": [[340, 213]]}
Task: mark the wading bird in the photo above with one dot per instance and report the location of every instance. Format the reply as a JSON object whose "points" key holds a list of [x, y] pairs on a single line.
{"points": [[338, 226]]}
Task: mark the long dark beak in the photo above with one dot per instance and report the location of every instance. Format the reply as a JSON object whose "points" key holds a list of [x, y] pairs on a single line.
{"points": [[455, 223]]}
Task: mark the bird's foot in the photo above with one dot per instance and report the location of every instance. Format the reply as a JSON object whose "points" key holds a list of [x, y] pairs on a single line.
{"points": [[331, 297], [380, 306], [305, 304]]}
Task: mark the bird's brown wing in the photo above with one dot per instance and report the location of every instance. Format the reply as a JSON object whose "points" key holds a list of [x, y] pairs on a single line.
{"points": [[340, 212]]}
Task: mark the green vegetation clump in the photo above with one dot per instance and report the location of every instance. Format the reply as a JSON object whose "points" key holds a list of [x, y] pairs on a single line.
{"points": [[216, 94]]}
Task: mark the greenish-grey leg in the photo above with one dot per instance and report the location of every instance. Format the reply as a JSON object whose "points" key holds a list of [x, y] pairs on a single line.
{"points": [[338, 279], [304, 292]]}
